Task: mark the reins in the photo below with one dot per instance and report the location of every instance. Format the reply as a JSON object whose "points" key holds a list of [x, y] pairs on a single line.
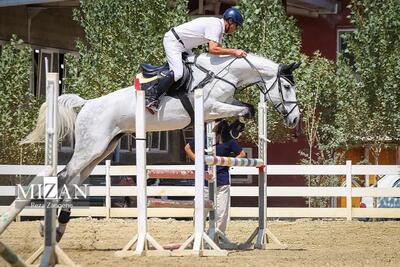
{"points": [[210, 75]]}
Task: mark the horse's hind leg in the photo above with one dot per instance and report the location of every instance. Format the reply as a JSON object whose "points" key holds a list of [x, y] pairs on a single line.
{"points": [[78, 179]]}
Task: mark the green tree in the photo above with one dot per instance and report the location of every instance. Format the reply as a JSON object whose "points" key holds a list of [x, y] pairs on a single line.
{"points": [[18, 105], [119, 35], [318, 99], [269, 32], [377, 63]]}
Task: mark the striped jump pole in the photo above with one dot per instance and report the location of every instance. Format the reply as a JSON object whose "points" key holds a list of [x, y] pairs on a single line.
{"points": [[174, 174], [230, 161]]}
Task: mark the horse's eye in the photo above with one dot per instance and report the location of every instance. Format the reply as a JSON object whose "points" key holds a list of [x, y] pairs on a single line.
{"points": [[287, 87]]}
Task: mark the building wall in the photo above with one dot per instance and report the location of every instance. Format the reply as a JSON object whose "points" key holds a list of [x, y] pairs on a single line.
{"points": [[319, 34], [388, 156], [50, 27]]}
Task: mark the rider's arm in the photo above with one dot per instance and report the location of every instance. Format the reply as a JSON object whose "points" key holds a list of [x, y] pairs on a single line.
{"points": [[189, 151], [237, 149], [216, 49], [242, 154]]}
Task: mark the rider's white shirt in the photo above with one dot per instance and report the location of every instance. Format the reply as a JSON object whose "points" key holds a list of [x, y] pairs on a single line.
{"points": [[200, 31]]}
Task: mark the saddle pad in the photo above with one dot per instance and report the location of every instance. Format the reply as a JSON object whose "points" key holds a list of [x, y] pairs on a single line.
{"points": [[143, 80]]}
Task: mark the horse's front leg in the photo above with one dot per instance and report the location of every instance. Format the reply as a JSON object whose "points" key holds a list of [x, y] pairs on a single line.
{"points": [[224, 110], [243, 104]]}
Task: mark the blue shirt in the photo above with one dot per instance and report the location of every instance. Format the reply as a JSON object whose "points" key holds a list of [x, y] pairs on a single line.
{"points": [[224, 150]]}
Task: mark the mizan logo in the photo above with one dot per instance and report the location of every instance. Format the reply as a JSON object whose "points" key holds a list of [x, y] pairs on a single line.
{"points": [[50, 186], [49, 191]]}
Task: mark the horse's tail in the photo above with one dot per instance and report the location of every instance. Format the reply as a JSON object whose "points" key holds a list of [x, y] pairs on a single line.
{"points": [[66, 117]]}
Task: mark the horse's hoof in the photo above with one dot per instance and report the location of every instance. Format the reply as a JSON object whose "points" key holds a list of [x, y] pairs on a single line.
{"points": [[41, 229], [249, 113], [252, 111], [60, 232]]}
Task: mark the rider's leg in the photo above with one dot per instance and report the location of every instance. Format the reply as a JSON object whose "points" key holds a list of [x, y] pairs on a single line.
{"points": [[173, 50], [163, 84]]}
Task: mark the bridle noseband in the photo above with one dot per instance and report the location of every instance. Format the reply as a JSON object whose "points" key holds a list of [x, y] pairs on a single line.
{"points": [[260, 85]]}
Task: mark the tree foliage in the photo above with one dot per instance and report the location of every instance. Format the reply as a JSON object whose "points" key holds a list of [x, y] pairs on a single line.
{"points": [[119, 35], [377, 63], [269, 32], [18, 105], [318, 99]]}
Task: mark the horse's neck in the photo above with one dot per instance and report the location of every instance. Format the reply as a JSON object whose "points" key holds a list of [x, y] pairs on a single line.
{"points": [[239, 70]]}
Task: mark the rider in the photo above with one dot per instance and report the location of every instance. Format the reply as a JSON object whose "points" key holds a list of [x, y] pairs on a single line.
{"points": [[189, 35]]}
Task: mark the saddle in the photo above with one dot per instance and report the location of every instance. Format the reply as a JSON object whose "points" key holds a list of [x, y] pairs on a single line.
{"points": [[149, 70], [150, 76], [151, 73]]}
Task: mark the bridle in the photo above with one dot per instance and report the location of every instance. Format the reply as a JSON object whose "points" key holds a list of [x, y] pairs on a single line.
{"points": [[260, 85]]}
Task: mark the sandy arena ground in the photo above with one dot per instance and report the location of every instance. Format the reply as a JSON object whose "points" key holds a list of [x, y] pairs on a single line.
{"points": [[92, 242]]}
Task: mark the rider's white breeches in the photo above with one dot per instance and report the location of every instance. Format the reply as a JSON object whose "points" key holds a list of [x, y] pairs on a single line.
{"points": [[173, 50]]}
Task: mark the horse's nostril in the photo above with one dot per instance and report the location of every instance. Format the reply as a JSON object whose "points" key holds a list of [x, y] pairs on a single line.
{"points": [[295, 121]]}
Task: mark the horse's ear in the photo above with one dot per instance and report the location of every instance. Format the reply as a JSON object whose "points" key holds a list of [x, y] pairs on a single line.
{"points": [[286, 68], [295, 65]]}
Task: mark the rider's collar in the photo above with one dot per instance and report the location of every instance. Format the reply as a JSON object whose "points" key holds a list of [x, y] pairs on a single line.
{"points": [[222, 25]]}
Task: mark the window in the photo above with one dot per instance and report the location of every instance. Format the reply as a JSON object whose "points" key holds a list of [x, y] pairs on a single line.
{"points": [[157, 142], [67, 144], [126, 143], [56, 64], [341, 46]]}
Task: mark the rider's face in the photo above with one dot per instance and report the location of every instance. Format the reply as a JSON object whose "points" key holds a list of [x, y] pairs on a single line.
{"points": [[231, 27]]}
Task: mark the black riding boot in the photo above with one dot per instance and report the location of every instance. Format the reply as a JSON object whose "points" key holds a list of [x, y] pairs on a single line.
{"points": [[153, 93]]}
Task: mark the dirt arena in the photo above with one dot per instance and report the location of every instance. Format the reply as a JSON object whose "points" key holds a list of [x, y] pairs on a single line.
{"points": [[92, 242]]}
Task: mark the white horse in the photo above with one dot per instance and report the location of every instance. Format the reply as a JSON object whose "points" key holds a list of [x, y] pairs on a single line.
{"points": [[102, 121]]}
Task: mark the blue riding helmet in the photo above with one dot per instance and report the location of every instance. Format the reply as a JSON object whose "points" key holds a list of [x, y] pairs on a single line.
{"points": [[234, 15]]}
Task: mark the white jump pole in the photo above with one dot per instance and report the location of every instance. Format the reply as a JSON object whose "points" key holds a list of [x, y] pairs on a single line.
{"points": [[199, 236], [51, 253], [143, 237], [265, 239]]}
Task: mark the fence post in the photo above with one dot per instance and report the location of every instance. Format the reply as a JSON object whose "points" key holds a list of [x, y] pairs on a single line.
{"points": [[348, 191], [108, 189]]}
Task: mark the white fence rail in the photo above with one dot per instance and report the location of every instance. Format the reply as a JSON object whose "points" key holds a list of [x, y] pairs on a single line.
{"points": [[348, 191]]}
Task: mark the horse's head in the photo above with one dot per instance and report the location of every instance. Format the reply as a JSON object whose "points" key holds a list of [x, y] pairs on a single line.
{"points": [[282, 94]]}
